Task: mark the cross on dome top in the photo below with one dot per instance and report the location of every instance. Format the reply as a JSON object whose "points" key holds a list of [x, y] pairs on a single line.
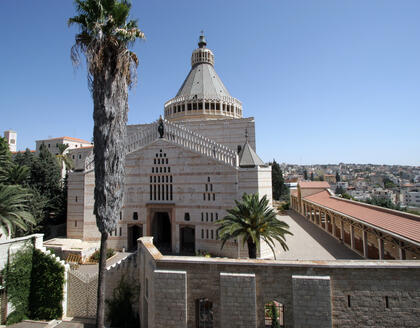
{"points": [[202, 43]]}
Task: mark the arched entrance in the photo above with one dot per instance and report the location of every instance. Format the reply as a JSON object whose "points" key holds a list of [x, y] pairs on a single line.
{"points": [[161, 231], [187, 238]]}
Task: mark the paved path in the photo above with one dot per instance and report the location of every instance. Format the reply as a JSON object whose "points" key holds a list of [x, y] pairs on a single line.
{"points": [[309, 242]]}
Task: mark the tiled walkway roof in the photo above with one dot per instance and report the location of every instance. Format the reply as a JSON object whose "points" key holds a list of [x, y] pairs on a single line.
{"points": [[314, 184], [404, 225]]}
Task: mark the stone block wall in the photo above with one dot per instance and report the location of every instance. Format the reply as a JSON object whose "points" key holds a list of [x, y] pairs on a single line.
{"points": [[311, 301], [313, 293], [237, 293], [170, 300]]}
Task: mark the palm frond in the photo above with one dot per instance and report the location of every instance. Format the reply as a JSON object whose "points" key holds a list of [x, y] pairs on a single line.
{"points": [[252, 219]]}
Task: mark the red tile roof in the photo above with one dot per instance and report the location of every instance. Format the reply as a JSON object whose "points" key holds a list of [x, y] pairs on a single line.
{"points": [[403, 224], [22, 151], [67, 138], [314, 184]]}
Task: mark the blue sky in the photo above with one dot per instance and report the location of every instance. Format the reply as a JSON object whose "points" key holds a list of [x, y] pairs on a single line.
{"points": [[327, 81]]}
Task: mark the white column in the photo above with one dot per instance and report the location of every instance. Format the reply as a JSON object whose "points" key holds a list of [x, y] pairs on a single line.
{"points": [[381, 248], [351, 237], [365, 244]]}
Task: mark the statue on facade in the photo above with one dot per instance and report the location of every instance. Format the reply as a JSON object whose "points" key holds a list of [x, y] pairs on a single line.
{"points": [[161, 127]]}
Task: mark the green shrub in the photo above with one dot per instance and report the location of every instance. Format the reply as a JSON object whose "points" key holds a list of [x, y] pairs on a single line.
{"points": [[15, 317], [34, 283], [45, 301], [120, 309], [95, 256], [18, 283]]}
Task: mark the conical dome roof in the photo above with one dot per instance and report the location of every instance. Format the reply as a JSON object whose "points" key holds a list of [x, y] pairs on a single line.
{"points": [[203, 82], [203, 94]]}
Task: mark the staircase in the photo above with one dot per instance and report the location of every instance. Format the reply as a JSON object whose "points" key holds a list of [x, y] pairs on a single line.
{"points": [[187, 139], [180, 136]]}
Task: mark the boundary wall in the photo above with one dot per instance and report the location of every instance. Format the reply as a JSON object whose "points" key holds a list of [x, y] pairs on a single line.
{"points": [[361, 293]]}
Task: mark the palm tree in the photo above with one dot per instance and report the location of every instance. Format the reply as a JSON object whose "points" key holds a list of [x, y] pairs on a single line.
{"points": [[64, 159], [14, 211], [252, 220], [17, 174], [104, 38]]}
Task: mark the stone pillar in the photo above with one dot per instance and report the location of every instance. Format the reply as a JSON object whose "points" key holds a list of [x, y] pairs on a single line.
{"points": [[402, 251], [342, 229], [365, 244], [334, 231], [170, 296], [311, 301], [238, 300], [352, 236], [325, 222], [381, 248]]}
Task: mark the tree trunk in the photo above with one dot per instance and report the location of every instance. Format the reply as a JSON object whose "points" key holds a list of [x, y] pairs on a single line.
{"points": [[252, 249], [100, 310], [110, 96]]}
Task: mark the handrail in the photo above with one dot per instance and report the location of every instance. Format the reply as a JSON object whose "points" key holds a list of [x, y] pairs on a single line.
{"points": [[179, 135]]}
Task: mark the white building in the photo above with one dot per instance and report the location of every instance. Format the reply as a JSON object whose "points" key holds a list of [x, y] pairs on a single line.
{"points": [[72, 143], [11, 138], [52, 144], [384, 194], [182, 172], [410, 197]]}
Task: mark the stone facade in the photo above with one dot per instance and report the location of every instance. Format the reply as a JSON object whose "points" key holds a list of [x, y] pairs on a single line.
{"points": [[182, 174]]}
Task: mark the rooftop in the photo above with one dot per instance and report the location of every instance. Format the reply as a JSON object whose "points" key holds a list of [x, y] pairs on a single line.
{"points": [[314, 184], [399, 223], [67, 138]]}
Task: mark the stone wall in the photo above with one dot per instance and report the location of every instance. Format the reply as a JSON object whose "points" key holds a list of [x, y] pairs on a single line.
{"points": [[238, 292], [228, 132], [82, 287], [81, 294], [311, 301], [313, 293]]}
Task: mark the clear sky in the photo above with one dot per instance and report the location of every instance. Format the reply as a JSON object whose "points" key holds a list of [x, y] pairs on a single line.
{"points": [[327, 81]]}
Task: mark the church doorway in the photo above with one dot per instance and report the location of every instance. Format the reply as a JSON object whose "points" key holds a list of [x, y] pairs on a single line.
{"points": [[134, 232], [187, 238], [161, 232]]}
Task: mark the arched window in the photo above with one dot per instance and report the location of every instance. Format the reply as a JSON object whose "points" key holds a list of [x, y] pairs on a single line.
{"points": [[204, 313], [187, 216], [135, 216]]}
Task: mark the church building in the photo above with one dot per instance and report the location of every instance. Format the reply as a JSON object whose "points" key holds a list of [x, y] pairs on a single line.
{"points": [[183, 171]]}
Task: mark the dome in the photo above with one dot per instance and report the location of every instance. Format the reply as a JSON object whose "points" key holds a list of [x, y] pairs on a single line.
{"points": [[203, 94]]}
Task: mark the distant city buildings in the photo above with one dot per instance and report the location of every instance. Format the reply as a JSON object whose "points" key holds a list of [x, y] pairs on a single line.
{"points": [[397, 183]]}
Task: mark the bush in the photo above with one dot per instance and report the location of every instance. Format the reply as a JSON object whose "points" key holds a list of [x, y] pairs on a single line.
{"points": [[120, 309], [15, 317], [45, 301], [18, 284], [95, 256], [34, 283], [284, 206]]}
